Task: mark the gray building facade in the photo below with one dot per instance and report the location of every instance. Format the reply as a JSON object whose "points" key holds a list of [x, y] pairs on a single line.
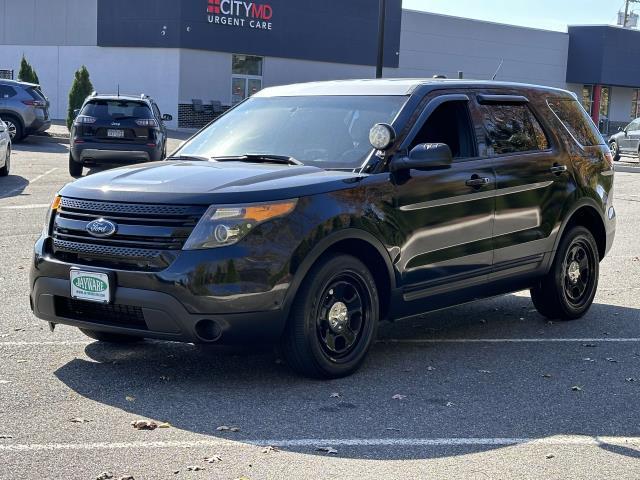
{"points": [[220, 51]]}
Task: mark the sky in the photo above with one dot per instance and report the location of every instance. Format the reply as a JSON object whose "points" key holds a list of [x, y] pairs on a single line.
{"points": [[545, 14]]}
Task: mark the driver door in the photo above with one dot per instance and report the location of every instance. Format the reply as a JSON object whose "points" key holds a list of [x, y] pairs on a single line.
{"points": [[445, 217], [625, 143]]}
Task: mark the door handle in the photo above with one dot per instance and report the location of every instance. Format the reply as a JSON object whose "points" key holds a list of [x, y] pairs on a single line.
{"points": [[477, 181], [558, 169]]}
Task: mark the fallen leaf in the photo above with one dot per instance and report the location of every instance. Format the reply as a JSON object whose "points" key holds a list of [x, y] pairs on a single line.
{"points": [[551, 455], [269, 449], [576, 388], [397, 396], [450, 404], [328, 450], [164, 425], [214, 459], [144, 425], [484, 371], [335, 395], [5, 437], [194, 468], [225, 428], [79, 420], [130, 399], [105, 476]]}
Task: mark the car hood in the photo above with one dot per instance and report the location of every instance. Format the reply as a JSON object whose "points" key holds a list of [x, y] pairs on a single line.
{"points": [[201, 182]]}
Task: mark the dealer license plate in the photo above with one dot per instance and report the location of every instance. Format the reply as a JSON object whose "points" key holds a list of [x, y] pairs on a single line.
{"points": [[115, 133], [92, 286]]}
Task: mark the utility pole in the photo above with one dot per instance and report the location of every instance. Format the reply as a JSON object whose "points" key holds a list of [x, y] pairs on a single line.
{"points": [[381, 22], [626, 11]]}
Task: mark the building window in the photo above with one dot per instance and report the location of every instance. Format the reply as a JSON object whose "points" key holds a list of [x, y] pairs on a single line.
{"points": [[587, 98], [635, 103], [605, 96], [246, 77]]}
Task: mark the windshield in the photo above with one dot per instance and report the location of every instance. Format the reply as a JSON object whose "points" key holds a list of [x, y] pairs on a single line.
{"points": [[324, 131]]}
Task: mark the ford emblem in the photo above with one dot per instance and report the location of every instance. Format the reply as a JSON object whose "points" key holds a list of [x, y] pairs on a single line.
{"points": [[101, 228]]}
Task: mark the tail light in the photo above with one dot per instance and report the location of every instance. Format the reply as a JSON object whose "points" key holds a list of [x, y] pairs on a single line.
{"points": [[146, 122], [35, 103], [85, 119]]}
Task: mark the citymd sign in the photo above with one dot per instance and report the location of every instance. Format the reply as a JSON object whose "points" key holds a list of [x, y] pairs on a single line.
{"points": [[240, 13]]}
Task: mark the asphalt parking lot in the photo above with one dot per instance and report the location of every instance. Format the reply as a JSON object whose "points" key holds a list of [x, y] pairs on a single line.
{"points": [[488, 390]]}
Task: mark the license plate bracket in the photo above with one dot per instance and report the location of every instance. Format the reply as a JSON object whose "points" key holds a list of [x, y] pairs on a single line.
{"points": [[114, 133], [91, 286]]}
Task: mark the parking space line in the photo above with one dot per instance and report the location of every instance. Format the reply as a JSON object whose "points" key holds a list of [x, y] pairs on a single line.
{"points": [[44, 344], [42, 175], [20, 189], [568, 440], [26, 207], [510, 340]]}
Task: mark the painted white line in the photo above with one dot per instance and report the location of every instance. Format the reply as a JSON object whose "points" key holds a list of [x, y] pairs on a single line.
{"points": [[510, 340], [42, 175], [43, 344], [26, 207], [333, 442]]}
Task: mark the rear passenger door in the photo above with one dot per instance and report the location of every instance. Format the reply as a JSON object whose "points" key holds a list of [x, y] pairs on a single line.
{"points": [[532, 182]]}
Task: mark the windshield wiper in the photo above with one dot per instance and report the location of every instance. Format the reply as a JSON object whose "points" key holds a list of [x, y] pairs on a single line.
{"points": [[259, 158], [198, 158]]}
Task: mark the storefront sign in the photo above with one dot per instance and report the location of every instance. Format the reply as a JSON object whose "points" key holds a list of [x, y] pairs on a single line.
{"points": [[242, 14]]}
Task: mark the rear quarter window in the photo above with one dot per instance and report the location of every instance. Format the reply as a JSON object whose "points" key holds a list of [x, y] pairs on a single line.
{"points": [[116, 109], [576, 120]]}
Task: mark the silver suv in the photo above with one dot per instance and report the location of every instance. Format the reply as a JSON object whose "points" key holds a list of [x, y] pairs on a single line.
{"points": [[24, 109]]}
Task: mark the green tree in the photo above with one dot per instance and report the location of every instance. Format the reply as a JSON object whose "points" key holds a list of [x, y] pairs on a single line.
{"points": [[80, 89], [27, 73]]}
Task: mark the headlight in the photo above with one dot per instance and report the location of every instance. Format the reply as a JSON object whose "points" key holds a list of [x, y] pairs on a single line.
{"points": [[225, 225], [47, 219]]}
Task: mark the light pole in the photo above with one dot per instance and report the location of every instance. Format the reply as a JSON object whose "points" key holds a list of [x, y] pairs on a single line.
{"points": [[381, 21]]}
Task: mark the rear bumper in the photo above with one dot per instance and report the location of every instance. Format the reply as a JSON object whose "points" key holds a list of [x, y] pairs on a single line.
{"points": [[165, 318], [38, 125], [94, 152]]}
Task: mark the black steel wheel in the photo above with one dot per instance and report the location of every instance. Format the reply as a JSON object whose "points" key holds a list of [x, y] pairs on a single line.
{"points": [[333, 319], [567, 291]]}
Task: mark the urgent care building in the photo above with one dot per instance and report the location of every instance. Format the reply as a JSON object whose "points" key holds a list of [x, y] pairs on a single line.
{"points": [[198, 57]]}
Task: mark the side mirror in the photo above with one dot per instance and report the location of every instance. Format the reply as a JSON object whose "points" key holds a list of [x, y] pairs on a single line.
{"points": [[426, 156], [620, 129], [76, 112], [167, 118]]}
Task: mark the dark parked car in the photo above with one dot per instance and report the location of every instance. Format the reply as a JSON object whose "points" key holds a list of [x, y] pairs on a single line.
{"points": [[117, 129], [309, 213], [24, 109], [626, 141]]}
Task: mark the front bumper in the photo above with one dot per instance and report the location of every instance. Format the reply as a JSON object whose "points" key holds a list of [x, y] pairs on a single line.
{"points": [[95, 152], [170, 305]]}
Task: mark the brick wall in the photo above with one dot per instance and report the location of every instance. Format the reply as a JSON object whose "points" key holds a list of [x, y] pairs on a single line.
{"points": [[189, 118]]}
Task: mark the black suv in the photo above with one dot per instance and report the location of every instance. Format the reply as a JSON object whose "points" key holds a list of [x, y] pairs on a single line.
{"points": [[117, 129], [309, 213]]}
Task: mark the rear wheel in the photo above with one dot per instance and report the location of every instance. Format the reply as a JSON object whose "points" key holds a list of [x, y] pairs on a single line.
{"points": [[110, 337], [615, 151], [4, 171], [14, 128], [333, 320], [75, 168], [567, 291]]}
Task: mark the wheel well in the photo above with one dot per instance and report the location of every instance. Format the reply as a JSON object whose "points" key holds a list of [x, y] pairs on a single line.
{"points": [[371, 257], [588, 217], [14, 117]]}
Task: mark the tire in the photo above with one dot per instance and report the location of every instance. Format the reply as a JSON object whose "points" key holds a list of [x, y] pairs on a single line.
{"points": [[316, 347], [615, 151], [110, 337], [16, 132], [75, 168], [559, 295], [4, 171]]}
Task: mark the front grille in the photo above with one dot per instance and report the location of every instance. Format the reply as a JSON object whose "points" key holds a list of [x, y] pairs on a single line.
{"points": [[148, 236], [105, 314]]}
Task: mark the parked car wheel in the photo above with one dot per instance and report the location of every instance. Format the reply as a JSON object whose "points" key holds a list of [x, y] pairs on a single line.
{"points": [[14, 127], [567, 291], [4, 171], [75, 168], [615, 152], [333, 320], [110, 337]]}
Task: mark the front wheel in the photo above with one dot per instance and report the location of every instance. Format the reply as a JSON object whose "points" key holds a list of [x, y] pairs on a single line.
{"points": [[333, 320], [110, 337], [615, 151], [567, 291], [75, 168]]}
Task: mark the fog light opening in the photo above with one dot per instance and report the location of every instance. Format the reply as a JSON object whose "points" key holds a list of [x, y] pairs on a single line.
{"points": [[208, 330]]}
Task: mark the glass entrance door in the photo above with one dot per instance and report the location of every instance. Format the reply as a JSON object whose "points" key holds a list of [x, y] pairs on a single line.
{"points": [[243, 86]]}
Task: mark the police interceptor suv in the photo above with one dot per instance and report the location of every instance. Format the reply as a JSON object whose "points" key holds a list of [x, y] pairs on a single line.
{"points": [[308, 213], [117, 129]]}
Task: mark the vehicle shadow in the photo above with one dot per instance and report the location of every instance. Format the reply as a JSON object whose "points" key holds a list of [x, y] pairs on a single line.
{"points": [[450, 389], [12, 185], [41, 145]]}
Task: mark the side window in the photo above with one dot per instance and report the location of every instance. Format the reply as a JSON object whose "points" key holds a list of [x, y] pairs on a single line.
{"points": [[156, 112], [576, 120], [511, 129], [449, 123], [633, 126], [7, 91]]}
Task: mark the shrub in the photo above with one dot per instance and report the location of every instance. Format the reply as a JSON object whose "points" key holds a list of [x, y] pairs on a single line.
{"points": [[27, 73], [80, 89]]}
